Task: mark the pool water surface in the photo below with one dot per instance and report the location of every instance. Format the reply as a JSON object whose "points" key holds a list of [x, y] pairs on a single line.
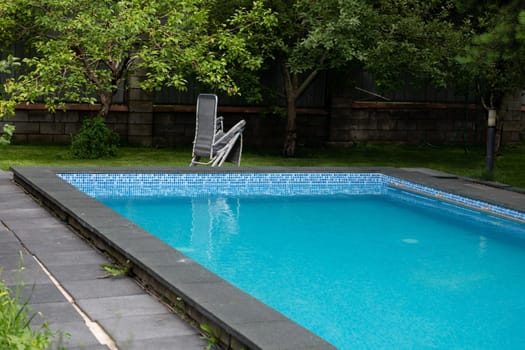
{"points": [[384, 270]]}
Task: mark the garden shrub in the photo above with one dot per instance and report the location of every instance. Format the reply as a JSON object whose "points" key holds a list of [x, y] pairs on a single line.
{"points": [[94, 140]]}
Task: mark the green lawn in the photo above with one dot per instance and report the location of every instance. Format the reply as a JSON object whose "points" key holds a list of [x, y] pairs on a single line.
{"points": [[509, 166]]}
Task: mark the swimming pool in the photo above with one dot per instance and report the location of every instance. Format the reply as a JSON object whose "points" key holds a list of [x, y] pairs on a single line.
{"points": [[369, 185]]}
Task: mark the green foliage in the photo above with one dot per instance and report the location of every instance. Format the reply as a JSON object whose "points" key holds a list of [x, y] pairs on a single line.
{"points": [[331, 34], [313, 36], [211, 336], [84, 49], [8, 64], [416, 39], [192, 41], [115, 270], [7, 107], [5, 138], [15, 330], [494, 57], [94, 140]]}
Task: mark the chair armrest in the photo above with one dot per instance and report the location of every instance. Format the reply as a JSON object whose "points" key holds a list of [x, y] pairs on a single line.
{"points": [[237, 128]]}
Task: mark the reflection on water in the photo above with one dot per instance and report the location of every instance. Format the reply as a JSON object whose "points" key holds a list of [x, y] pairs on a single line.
{"points": [[482, 245], [213, 219]]}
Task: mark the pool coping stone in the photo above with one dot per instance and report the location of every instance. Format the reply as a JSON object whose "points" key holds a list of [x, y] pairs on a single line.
{"points": [[215, 299]]}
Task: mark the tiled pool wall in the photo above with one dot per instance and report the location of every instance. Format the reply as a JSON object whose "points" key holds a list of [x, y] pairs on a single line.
{"points": [[456, 199], [271, 184], [198, 184]]}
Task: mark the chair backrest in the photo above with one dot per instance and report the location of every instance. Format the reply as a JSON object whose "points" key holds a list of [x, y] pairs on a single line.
{"points": [[205, 125]]}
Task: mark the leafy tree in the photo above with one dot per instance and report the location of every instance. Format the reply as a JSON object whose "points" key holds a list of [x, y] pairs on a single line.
{"points": [[83, 50], [495, 55], [416, 39], [494, 58], [390, 38], [315, 36], [221, 45]]}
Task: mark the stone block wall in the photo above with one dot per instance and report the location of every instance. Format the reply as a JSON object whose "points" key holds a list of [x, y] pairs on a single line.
{"points": [[356, 122], [35, 125], [172, 128], [511, 119], [140, 109], [346, 122]]}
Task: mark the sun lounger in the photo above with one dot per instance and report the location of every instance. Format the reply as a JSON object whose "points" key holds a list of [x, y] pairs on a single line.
{"points": [[212, 145]]}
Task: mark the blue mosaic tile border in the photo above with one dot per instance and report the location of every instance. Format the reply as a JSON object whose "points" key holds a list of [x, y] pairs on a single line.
{"points": [[191, 185], [269, 184]]}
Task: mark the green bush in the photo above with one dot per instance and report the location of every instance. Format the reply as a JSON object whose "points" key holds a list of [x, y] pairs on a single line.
{"points": [[94, 140], [5, 138]]}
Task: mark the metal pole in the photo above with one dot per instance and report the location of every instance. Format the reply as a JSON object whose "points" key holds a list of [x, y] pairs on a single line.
{"points": [[491, 138]]}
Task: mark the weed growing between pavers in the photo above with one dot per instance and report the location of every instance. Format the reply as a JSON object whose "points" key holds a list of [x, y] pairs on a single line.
{"points": [[15, 319]]}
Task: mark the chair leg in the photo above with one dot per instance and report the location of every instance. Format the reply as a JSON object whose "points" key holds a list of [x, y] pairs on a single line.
{"points": [[194, 161]]}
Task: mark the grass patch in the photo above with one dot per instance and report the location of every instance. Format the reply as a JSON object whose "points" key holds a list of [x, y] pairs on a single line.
{"points": [[508, 167]]}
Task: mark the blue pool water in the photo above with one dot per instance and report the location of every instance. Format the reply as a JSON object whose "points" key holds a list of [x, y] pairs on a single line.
{"points": [[389, 270]]}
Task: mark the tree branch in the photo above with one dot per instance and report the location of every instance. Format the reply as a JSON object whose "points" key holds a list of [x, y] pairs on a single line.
{"points": [[88, 72], [306, 82], [313, 74]]}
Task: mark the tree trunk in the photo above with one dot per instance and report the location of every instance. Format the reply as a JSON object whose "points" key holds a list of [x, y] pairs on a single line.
{"points": [[290, 140], [294, 88], [290, 85], [105, 100]]}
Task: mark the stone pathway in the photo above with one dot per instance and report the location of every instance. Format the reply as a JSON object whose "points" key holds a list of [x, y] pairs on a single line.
{"points": [[112, 313]]}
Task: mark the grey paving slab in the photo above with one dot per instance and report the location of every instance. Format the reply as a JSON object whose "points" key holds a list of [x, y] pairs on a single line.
{"points": [[185, 272], [24, 214], [8, 247], [122, 306], [117, 233], [223, 303], [39, 293], [85, 272], [79, 336], [29, 275], [26, 227], [129, 329], [6, 236], [272, 336], [16, 258], [62, 244], [208, 292], [5, 175], [86, 255], [155, 255], [16, 200], [57, 312], [105, 287], [180, 342], [143, 245], [88, 347]]}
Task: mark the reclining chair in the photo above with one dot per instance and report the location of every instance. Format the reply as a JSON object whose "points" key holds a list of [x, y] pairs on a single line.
{"points": [[211, 142]]}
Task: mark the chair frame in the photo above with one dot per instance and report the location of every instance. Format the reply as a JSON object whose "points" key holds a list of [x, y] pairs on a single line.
{"points": [[218, 146]]}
